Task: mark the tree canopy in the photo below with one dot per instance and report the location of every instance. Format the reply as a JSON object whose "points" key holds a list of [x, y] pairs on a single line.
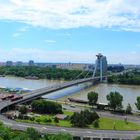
{"points": [[43, 106], [92, 97], [83, 118], [42, 72], [30, 134], [115, 100], [138, 103]]}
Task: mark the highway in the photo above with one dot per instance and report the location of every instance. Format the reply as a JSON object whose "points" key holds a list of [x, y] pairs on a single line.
{"points": [[54, 129], [43, 91]]}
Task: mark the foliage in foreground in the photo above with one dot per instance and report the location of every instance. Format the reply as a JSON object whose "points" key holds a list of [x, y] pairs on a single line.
{"points": [[30, 134]]}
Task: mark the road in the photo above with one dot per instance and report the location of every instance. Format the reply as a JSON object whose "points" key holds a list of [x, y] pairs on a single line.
{"points": [[53, 129], [107, 114], [74, 131]]}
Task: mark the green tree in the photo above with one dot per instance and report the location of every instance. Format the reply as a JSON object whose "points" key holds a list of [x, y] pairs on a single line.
{"points": [[92, 97], [128, 109], [60, 136], [56, 120], [83, 118], [115, 100], [33, 134], [43, 106], [21, 136], [138, 103], [23, 109]]}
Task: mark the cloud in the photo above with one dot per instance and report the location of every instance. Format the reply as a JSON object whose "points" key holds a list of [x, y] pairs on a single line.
{"points": [[58, 14], [20, 31], [16, 34], [50, 41]]}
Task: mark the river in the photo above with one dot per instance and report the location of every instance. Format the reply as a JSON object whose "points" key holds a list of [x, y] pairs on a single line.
{"points": [[129, 93]]}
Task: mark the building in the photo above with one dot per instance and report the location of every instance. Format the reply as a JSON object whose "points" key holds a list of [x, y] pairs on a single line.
{"points": [[19, 63], [9, 63], [100, 66], [31, 63]]}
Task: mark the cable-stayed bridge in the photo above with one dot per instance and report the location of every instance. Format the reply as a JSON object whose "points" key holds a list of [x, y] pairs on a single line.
{"points": [[100, 66]]}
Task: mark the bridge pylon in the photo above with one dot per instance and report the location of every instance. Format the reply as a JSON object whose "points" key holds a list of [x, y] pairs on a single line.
{"points": [[100, 67]]}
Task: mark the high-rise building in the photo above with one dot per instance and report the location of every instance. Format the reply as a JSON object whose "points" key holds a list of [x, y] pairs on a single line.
{"points": [[31, 63], [19, 63], [9, 63], [100, 66]]}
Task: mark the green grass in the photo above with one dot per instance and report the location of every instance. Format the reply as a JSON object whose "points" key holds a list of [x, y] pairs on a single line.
{"points": [[104, 123], [108, 124], [66, 112]]}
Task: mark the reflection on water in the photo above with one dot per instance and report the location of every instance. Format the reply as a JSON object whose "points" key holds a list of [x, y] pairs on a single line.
{"points": [[67, 92]]}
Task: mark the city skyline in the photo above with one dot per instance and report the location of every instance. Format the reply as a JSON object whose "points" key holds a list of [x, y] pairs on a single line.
{"points": [[68, 31]]}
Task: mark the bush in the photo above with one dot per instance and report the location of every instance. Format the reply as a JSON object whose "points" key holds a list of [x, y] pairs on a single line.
{"points": [[129, 109], [20, 116], [56, 120], [23, 109], [67, 118], [38, 120], [32, 118], [47, 120], [96, 123]]}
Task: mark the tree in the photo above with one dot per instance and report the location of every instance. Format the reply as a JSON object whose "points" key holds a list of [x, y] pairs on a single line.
{"points": [[92, 97], [138, 103], [115, 100], [43, 106], [56, 120], [23, 109], [128, 109], [83, 118], [137, 138], [33, 134], [60, 136]]}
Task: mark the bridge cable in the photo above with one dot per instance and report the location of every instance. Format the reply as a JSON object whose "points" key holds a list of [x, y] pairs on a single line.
{"points": [[78, 75], [87, 74]]}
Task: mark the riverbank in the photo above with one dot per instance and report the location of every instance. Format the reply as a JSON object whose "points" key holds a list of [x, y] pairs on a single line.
{"points": [[128, 92]]}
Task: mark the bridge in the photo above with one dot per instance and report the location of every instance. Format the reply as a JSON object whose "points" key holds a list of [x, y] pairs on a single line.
{"points": [[43, 91], [101, 65]]}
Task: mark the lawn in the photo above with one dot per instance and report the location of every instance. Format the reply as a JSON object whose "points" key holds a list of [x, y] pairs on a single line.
{"points": [[104, 123], [108, 124]]}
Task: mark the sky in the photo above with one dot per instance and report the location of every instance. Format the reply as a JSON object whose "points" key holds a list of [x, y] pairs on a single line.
{"points": [[70, 30]]}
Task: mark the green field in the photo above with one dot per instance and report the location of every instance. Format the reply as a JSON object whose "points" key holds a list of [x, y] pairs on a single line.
{"points": [[104, 123], [108, 124]]}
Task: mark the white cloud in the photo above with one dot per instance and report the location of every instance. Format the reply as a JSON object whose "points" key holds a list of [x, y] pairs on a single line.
{"points": [[56, 14], [16, 34], [50, 41], [20, 31]]}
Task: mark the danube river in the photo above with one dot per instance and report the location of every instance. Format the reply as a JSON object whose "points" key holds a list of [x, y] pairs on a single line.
{"points": [[129, 93]]}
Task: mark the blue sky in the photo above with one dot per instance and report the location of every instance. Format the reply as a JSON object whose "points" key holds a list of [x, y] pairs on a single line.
{"points": [[70, 31]]}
